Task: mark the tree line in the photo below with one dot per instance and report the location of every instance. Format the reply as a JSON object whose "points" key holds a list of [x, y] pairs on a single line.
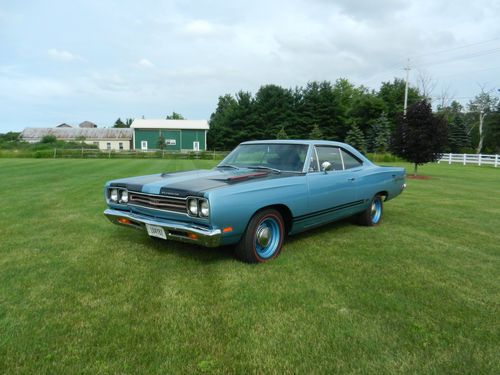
{"points": [[342, 111]]}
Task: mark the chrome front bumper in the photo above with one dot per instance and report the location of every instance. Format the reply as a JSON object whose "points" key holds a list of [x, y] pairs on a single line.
{"points": [[174, 230]]}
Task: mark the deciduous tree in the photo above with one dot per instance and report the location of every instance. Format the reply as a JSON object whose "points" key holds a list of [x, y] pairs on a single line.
{"points": [[421, 136], [175, 116]]}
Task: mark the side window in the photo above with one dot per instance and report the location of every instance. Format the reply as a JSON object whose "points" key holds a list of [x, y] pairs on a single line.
{"points": [[330, 154], [349, 160]]}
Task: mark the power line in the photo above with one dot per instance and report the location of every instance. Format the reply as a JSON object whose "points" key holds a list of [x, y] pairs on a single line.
{"points": [[470, 71], [462, 57], [397, 67], [455, 48]]}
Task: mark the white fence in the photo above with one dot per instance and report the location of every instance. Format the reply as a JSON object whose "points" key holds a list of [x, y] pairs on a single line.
{"points": [[477, 159]]}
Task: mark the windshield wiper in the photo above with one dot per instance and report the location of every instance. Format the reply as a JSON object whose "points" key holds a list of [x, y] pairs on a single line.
{"points": [[227, 166], [265, 168]]}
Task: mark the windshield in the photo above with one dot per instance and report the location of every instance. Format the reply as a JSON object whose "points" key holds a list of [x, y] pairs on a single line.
{"points": [[282, 157]]}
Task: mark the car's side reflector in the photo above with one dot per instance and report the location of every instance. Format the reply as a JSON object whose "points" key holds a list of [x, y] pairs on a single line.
{"points": [[228, 229]]}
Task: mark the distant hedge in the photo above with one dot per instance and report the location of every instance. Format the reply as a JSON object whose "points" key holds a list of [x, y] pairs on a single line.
{"points": [[85, 153]]}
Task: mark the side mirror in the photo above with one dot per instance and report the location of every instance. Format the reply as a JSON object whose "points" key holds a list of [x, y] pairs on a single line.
{"points": [[326, 166]]}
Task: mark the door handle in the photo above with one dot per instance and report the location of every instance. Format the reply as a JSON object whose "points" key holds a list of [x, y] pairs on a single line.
{"points": [[351, 179]]}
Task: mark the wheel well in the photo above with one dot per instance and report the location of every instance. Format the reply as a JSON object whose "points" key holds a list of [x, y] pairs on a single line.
{"points": [[285, 213], [385, 194]]}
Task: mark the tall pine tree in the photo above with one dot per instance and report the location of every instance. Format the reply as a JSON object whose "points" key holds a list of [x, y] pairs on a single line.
{"points": [[379, 135], [356, 138]]}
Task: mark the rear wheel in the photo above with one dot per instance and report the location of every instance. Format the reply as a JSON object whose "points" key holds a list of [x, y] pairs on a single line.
{"points": [[373, 213], [263, 237]]}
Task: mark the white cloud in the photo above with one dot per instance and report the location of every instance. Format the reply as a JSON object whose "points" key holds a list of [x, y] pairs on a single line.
{"points": [[63, 56], [145, 63], [188, 53]]}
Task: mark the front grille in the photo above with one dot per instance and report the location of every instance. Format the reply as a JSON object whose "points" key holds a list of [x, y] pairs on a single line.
{"points": [[157, 202]]}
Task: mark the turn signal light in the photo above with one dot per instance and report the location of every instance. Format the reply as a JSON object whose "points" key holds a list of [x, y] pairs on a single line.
{"points": [[193, 236], [122, 220]]}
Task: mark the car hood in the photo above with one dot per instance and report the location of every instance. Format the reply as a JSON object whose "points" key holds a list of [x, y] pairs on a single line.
{"points": [[194, 183]]}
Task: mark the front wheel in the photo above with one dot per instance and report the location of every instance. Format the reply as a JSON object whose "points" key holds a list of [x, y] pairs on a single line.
{"points": [[373, 213], [263, 237]]}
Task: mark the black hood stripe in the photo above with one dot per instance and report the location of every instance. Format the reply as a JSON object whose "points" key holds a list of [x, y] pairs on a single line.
{"points": [[198, 185]]}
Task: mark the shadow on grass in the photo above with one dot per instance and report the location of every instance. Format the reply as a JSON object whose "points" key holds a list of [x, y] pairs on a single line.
{"points": [[223, 253], [332, 228], [180, 249]]}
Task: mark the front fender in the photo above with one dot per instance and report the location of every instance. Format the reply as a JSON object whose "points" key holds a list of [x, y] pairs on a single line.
{"points": [[234, 207]]}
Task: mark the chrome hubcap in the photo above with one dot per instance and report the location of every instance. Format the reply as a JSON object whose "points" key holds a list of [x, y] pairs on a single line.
{"points": [[374, 209], [263, 236]]}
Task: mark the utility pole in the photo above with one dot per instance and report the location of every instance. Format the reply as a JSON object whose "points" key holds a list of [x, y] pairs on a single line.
{"points": [[482, 115], [407, 68]]}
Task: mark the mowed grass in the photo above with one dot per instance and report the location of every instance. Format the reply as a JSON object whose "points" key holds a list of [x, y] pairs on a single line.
{"points": [[418, 294]]}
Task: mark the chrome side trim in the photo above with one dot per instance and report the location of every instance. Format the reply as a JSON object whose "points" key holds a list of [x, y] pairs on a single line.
{"points": [[174, 230]]}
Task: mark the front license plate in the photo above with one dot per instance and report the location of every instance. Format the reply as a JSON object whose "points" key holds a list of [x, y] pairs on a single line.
{"points": [[155, 231]]}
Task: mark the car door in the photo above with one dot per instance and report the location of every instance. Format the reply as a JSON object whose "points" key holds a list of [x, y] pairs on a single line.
{"points": [[332, 193]]}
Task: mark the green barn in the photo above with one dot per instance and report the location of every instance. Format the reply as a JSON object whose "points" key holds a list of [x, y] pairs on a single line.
{"points": [[177, 135]]}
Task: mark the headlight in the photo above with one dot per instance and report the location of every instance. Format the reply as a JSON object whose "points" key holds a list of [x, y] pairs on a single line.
{"points": [[193, 207], [113, 195], [124, 196], [204, 210]]}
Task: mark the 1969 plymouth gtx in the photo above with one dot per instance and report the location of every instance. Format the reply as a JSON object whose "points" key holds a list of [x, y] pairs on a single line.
{"points": [[260, 193]]}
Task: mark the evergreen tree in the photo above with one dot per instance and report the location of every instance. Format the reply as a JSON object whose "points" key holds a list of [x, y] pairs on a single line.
{"points": [[119, 124], [315, 104], [316, 133], [365, 109], [217, 137], [356, 138], [393, 93], [379, 135], [272, 107], [492, 132], [282, 134], [421, 136], [161, 142], [458, 139]]}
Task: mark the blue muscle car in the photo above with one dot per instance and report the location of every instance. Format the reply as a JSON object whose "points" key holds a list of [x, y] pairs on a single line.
{"points": [[260, 193]]}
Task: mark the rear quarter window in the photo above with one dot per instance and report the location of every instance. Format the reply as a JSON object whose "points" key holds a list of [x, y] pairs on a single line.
{"points": [[350, 161]]}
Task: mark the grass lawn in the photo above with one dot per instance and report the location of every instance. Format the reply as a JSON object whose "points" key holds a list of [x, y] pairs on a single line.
{"points": [[420, 293]]}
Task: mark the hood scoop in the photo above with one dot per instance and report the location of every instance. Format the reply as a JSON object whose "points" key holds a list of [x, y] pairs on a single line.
{"points": [[246, 176]]}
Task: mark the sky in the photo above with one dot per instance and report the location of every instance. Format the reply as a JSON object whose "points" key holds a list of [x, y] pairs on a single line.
{"points": [[71, 61]]}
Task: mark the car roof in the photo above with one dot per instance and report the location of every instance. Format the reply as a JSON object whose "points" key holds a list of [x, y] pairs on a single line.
{"points": [[295, 142]]}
